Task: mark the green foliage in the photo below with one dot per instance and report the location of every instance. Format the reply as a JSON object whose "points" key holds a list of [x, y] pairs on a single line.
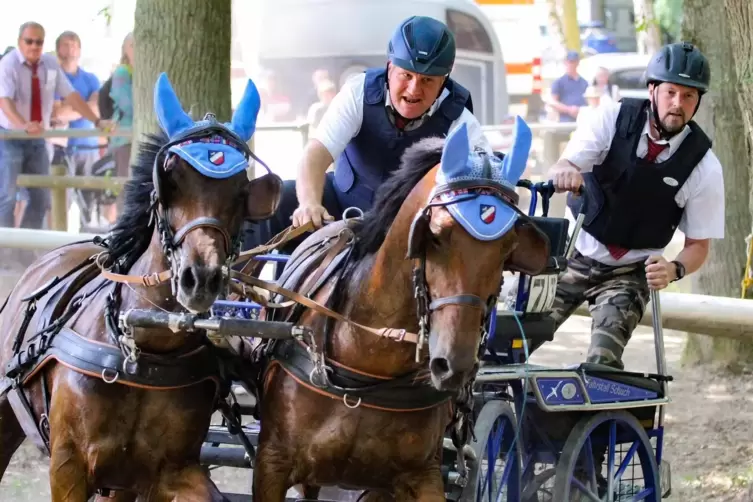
{"points": [[105, 12], [669, 15]]}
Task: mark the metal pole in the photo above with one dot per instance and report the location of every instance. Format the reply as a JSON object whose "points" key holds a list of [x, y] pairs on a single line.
{"points": [[58, 202], [661, 358]]}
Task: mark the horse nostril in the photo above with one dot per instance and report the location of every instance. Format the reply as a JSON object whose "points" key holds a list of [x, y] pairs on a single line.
{"points": [[214, 281], [188, 279], [440, 367]]}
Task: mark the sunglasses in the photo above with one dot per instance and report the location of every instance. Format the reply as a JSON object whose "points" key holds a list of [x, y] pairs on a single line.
{"points": [[34, 41]]}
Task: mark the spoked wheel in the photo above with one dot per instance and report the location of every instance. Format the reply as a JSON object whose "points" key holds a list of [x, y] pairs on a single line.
{"points": [[495, 474], [613, 438]]}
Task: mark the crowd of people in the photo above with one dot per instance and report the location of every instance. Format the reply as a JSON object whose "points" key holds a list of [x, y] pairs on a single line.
{"points": [[43, 90]]}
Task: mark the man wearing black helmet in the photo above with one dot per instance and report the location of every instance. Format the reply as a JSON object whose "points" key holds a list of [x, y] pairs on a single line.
{"points": [[370, 123], [648, 170]]}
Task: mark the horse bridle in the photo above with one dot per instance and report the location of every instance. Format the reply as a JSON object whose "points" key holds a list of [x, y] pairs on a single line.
{"points": [[417, 239], [171, 240]]}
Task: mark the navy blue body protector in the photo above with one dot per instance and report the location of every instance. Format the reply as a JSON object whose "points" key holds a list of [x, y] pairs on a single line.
{"points": [[376, 150], [630, 201]]}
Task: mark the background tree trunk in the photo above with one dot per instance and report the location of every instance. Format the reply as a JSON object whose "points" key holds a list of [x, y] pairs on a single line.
{"points": [[190, 41], [707, 26], [647, 27]]}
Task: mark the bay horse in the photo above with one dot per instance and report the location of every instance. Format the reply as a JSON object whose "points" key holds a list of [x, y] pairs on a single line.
{"points": [[128, 410], [364, 407]]}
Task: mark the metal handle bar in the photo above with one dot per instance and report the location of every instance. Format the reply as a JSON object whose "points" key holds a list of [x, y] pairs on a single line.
{"points": [[141, 318]]}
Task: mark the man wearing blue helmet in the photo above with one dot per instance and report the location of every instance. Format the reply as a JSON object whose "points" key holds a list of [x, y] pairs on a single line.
{"points": [[373, 119]]}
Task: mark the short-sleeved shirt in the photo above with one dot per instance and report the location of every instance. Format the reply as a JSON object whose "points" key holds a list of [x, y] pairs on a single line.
{"points": [[702, 194], [86, 84], [15, 83], [570, 91], [344, 116]]}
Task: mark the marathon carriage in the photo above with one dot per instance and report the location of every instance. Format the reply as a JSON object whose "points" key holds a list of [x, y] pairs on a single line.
{"points": [[538, 430]]}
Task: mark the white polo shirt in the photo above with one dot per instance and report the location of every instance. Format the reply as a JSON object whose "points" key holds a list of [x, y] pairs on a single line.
{"points": [[702, 194], [342, 120]]}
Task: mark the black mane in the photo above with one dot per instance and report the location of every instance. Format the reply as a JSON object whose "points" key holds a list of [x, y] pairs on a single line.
{"points": [[417, 160], [133, 230]]}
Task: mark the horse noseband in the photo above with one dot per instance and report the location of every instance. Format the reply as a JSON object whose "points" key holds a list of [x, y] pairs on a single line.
{"points": [[462, 299], [203, 222]]}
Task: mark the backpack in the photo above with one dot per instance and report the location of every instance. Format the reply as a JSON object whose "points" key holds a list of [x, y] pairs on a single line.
{"points": [[105, 102]]}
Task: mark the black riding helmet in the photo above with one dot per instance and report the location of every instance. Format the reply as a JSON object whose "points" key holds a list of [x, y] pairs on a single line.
{"points": [[682, 64]]}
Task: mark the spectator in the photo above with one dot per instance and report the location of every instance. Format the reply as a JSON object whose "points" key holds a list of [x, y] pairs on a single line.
{"points": [[121, 93], [567, 91], [84, 152], [326, 92], [276, 106], [608, 91], [28, 83], [319, 76], [593, 100]]}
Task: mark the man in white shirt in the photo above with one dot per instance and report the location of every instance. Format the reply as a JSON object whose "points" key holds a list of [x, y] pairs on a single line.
{"points": [[375, 116], [647, 169]]}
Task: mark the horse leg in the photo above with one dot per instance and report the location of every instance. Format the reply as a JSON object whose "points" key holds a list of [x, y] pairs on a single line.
{"points": [[11, 434], [117, 496], [190, 484], [68, 474], [309, 492], [271, 474], [424, 486]]}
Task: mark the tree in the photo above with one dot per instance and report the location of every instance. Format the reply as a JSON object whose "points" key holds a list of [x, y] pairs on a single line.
{"points": [[721, 116], [647, 27], [190, 40], [669, 15]]}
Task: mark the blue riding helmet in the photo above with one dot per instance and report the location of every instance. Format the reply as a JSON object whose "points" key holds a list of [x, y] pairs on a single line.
{"points": [[423, 45]]}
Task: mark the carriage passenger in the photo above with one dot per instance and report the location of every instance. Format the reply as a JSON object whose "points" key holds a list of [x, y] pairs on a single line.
{"points": [[369, 124], [647, 169]]}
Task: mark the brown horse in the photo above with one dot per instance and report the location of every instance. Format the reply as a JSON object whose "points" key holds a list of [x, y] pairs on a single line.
{"points": [[123, 410], [375, 418]]}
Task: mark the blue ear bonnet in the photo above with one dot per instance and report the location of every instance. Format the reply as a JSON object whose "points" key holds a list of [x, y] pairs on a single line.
{"points": [[214, 149], [478, 189]]}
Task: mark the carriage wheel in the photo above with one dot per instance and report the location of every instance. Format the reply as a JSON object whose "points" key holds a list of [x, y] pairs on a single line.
{"points": [[620, 436], [495, 474]]}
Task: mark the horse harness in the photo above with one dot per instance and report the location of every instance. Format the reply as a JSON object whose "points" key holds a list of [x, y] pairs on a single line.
{"points": [[62, 297]]}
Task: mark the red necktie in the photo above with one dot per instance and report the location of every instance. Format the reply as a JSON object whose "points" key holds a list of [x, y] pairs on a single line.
{"points": [[36, 95], [654, 149]]}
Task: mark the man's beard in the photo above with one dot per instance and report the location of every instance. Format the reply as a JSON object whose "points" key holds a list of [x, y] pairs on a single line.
{"points": [[674, 116]]}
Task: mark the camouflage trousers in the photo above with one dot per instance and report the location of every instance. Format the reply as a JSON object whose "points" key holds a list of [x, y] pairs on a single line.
{"points": [[616, 296]]}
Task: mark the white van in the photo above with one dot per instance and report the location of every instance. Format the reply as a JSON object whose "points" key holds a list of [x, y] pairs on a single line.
{"points": [[293, 38]]}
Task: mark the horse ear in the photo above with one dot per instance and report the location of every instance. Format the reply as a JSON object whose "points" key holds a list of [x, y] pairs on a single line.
{"points": [[514, 163], [244, 118], [170, 115], [455, 153], [263, 197], [531, 255]]}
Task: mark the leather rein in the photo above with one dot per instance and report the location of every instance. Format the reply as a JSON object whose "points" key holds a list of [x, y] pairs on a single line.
{"points": [[425, 304]]}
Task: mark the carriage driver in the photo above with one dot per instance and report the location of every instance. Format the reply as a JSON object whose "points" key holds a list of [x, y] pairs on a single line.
{"points": [[369, 124], [647, 169]]}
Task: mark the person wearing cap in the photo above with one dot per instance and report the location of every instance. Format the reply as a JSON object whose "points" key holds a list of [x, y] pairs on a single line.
{"points": [[647, 170], [372, 120], [593, 101], [567, 91]]}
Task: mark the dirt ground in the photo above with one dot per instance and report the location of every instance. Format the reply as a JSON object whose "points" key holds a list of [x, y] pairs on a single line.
{"points": [[709, 425]]}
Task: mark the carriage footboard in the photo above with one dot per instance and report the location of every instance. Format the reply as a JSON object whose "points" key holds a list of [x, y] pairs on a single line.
{"points": [[176, 322]]}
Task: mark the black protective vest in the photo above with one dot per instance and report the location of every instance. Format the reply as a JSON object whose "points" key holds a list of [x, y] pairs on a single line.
{"points": [[631, 202]]}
